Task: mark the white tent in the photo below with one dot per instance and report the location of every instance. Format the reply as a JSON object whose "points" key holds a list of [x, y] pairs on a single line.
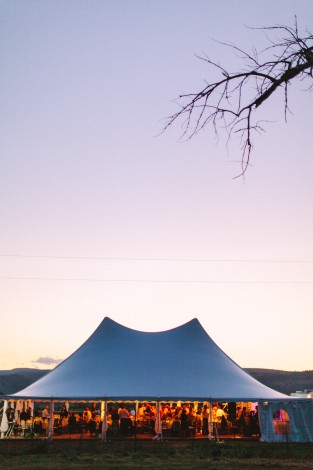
{"points": [[118, 363], [180, 364]]}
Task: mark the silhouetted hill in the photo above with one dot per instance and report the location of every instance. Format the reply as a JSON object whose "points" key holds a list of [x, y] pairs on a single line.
{"points": [[12, 381], [284, 381]]}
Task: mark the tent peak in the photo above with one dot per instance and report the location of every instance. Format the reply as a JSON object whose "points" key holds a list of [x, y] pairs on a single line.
{"points": [[188, 323]]}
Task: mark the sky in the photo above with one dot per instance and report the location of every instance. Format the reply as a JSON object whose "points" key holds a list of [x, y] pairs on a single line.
{"points": [[102, 214]]}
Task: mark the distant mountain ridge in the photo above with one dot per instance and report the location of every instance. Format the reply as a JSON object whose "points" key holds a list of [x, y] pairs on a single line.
{"points": [[284, 381], [12, 381]]}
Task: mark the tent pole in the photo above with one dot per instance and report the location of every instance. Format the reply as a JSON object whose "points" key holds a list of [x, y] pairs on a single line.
{"points": [[210, 421], [51, 420], [158, 429], [104, 420]]}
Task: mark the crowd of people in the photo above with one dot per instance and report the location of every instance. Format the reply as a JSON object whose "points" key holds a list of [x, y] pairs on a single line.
{"points": [[180, 420], [222, 418], [37, 421], [87, 421], [183, 420]]}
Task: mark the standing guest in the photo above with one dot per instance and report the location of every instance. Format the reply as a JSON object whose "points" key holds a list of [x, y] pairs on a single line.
{"points": [[63, 422], [191, 422], [10, 414], [113, 412], [72, 423], [243, 421], [124, 420], [191, 417], [30, 412], [253, 426], [99, 428], [214, 411], [87, 416], [45, 415], [149, 415], [197, 421], [81, 425], [11, 419], [184, 422], [94, 410], [205, 420], [114, 415], [63, 412], [24, 418]]}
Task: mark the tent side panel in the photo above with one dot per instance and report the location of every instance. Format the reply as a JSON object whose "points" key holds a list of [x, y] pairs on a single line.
{"points": [[300, 421]]}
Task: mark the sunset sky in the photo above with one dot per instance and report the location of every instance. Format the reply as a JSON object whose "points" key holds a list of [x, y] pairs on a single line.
{"points": [[103, 215]]}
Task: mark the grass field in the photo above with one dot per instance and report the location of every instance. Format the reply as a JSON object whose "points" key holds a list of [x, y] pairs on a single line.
{"points": [[156, 455]]}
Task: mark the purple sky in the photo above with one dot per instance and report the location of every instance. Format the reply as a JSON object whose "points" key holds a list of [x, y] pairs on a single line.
{"points": [[85, 177]]}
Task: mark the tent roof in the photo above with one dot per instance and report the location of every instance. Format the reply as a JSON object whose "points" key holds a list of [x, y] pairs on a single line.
{"points": [[118, 363]]}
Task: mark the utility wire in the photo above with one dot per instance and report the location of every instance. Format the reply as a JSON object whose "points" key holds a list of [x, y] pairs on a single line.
{"points": [[210, 260], [158, 281]]}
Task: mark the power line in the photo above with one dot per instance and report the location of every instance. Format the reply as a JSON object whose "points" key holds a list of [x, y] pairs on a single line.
{"points": [[157, 281], [210, 260]]}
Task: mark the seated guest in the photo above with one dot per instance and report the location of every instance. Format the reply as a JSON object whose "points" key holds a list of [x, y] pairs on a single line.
{"points": [[224, 423], [37, 426], [81, 426], [178, 412], [99, 427], [198, 421], [92, 427], [165, 412], [149, 412], [173, 411], [141, 411], [219, 413]]}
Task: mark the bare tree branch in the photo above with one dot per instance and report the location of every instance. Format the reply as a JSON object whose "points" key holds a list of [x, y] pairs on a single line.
{"points": [[231, 103]]}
